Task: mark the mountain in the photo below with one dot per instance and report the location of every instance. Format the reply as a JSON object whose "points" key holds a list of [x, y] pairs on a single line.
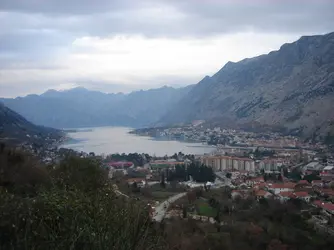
{"points": [[80, 107], [15, 128], [292, 88]]}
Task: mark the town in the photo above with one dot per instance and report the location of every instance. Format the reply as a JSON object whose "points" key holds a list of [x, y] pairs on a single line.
{"points": [[283, 176], [246, 169], [199, 131]]}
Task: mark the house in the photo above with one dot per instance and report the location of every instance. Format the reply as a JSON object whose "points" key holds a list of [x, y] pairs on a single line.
{"points": [[254, 181], [305, 196], [326, 192], [139, 181], [318, 183], [260, 194], [120, 164], [327, 173], [312, 166], [281, 187], [262, 185], [285, 196], [327, 207], [303, 183]]}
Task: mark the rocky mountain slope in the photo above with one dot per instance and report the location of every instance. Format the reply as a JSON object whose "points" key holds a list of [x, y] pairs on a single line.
{"points": [[16, 129], [80, 107], [291, 88]]}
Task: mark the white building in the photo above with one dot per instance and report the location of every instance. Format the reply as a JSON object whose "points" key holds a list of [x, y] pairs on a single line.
{"points": [[228, 163]]}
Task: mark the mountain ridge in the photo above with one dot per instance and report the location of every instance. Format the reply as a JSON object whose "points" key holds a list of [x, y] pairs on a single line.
{"points": [[284, 88], [80, 107], [14, 128]]}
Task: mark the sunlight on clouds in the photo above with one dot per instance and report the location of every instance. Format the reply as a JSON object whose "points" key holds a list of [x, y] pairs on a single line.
{"points": [[126, 56]]}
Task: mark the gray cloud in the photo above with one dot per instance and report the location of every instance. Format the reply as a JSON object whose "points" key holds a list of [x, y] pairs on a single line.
{"points": [[39, 26], [34, 32], [176, 18], [63, 7]]}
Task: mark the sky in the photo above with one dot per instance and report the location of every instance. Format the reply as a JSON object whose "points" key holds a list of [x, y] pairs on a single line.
{"points": [[124, 45]]}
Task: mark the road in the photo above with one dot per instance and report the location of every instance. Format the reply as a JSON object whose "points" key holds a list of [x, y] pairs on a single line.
{"points": [[120, 193], [161, 209], [223, 181]]}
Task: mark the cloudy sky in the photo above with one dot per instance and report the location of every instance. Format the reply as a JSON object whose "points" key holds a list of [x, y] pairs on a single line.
{"points": [[121, 45]]}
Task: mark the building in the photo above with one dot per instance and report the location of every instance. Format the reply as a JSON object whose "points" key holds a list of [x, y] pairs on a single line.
{"points": [[277, 188], [327, 207], [229, 163], [312, 166], [284, 196], [161, 164], [262, 194], [270, 165], [139, 181], [327, 173], [120, 164]]}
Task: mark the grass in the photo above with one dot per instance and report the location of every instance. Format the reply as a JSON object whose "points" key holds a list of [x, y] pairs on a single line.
{"points": [[205, 209]]}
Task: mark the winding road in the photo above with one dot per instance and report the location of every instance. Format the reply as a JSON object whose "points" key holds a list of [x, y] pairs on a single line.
{"points": [[161, 209]]}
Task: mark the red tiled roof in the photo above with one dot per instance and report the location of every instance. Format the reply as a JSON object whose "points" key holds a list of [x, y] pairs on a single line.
{"points": [[135, 179], [283, 185], [261, 193], [329, 192], [120, 164], [262, 185], [303, 182], [301, 194], [325, 205], [286, 194]]}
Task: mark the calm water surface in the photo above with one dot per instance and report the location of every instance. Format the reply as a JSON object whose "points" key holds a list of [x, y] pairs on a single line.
{"points": [[109, 140]]}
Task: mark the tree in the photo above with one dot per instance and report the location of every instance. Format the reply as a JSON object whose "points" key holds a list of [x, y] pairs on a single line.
{"points": [[162, 181], [135, 188], [191, 195], [311, 177], [184, 212]]}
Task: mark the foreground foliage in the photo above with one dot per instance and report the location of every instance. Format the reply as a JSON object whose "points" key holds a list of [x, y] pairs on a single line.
{"points": [[75, 209]]}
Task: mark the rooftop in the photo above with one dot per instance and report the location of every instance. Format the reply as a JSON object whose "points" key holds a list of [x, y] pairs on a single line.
{"points": [[325, 205]]}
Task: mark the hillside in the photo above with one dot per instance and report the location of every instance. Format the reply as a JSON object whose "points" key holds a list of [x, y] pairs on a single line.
{"points": [[80, 107], [16, 129], [291, 88]]}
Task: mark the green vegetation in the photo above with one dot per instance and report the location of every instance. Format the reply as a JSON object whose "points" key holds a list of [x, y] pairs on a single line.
{"points": [[205, 209], [162, 195], [198, 172], [135, 158], [68, 206]]}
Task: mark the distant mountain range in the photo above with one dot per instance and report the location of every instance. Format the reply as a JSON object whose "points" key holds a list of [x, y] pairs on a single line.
{"points": [[80, 107], [292, 88], [16, 129]]}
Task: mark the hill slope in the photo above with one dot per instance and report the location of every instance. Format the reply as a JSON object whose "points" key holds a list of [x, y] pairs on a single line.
{"points": [[14, 128], [80, 107], [292, 88]]}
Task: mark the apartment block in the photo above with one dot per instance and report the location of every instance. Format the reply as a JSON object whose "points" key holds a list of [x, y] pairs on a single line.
{"points": [[224, 163]]}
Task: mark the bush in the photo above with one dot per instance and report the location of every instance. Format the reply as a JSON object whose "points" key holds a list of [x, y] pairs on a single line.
{"points": [[75, 209], [21, 173], [59, 219]]}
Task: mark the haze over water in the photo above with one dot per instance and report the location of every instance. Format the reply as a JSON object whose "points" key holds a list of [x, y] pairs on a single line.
{"points": [[109, 140]]}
